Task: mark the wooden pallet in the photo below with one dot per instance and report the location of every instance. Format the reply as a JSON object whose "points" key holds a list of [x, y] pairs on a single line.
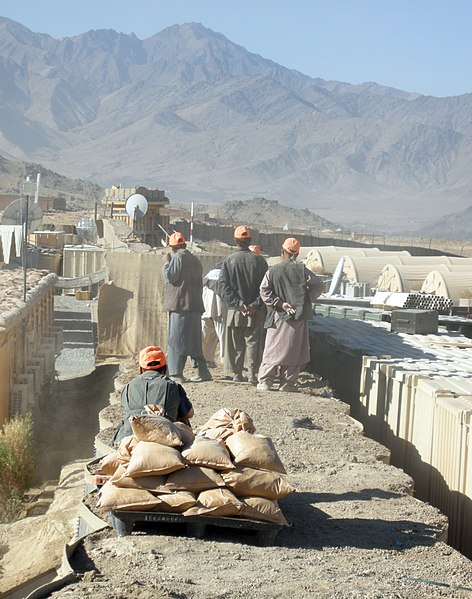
{"points": [[123, 522]]}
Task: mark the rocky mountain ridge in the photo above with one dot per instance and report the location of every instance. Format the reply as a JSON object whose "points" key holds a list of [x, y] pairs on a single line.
{"points": [[189, 111]]}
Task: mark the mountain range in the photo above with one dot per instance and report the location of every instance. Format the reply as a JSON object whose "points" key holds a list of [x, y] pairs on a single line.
{"points": [[189, 111]]}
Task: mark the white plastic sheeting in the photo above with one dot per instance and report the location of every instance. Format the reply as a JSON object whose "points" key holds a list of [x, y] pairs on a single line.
{"points": [[411, 276], [366, 269], [7, 233], [324, 259], [451, 285]]}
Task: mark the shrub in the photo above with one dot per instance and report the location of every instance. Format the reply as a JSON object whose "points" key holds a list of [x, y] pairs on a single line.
{"points": [[16, 464]]}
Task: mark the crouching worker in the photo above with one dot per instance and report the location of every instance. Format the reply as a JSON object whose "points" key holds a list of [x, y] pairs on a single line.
{"points": [[153, 387]]}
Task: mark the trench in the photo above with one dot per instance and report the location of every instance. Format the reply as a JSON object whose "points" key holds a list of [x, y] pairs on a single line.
{"points": [[66, 421]]}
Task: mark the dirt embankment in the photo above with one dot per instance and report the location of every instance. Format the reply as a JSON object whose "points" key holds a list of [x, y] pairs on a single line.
{"points": [[356, 530]]}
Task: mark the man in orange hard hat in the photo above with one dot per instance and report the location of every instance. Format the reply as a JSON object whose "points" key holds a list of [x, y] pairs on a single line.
{"points": [[183, 300], [240, 278], [152, 386], [288, 290]]}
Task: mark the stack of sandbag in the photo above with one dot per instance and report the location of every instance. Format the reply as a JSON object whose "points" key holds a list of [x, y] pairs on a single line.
{"points": [[224, 470]]}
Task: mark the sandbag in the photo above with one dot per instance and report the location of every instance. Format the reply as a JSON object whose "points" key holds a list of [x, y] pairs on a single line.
{"points": [[126, 446], [154, 408], [194, 478], [186, 433], [208, 452], [149, 458], [255, 451], [154, 484], [266, 510], [109, 463], [153, 428], [116, 498], [217, 502], [248, 482], [177, 502], [225, 422]]}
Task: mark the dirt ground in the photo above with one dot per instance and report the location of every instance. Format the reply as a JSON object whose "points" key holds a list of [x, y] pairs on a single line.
{"points": [[355, 529]]}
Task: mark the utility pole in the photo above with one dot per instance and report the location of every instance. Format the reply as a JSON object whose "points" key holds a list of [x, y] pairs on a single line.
{"points": [[27, 191]]}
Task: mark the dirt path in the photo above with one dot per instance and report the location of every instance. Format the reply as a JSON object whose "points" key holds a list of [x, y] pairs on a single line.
{"points": [[356, 531]]}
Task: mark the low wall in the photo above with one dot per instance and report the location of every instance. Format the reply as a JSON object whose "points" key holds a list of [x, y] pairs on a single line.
{"points": [[412, 393]]}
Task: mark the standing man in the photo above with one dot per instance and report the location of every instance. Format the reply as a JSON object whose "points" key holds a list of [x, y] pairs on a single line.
{"points": [[214, 317], [240, 278], [288, 290], [183, 300]]}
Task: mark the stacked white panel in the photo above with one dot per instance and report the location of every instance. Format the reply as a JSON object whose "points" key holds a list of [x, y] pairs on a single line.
{"points": [[19, 399]]}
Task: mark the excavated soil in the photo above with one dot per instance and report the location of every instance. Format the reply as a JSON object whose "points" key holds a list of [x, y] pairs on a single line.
{"points": [[355, 528]]}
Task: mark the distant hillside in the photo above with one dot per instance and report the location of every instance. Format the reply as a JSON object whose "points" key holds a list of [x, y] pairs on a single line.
{"points": [[270, 214], [79, 193], [452, 226], [191, 112]]}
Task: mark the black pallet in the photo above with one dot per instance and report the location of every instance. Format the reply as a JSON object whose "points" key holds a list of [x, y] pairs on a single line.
{"points": [[123, 522]]}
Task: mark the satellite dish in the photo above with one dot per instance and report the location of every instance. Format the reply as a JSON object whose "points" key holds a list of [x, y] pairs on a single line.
{"points": [[136, 206], [86, 229], [337, 277], [15, 214]]}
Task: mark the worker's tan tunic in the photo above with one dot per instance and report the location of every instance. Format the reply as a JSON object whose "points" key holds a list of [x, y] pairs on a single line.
{"points": [[287, 342]]}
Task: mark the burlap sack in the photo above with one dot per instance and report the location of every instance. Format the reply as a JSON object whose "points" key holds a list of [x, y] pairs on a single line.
{"points": [[217, 502], [149, 458], [186, 433], [177, 502], [154, 408], [157, 429], [266, 510], [248, 482], [115, 498], [255, 451], [126, 446], [225, 422], [109, 463], [153, 484], [208, 452], [194, 478]]}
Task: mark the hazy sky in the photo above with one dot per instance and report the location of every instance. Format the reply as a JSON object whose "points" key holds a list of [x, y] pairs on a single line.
{"points": [[416, 45]]}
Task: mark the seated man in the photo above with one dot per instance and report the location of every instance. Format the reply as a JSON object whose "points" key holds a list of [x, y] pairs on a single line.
{"points": [[153, 387]]}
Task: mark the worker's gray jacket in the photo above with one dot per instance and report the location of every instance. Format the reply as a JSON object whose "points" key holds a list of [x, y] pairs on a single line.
{"points": [[184, 288], [148, 388], [288, 280], [240, 278]]}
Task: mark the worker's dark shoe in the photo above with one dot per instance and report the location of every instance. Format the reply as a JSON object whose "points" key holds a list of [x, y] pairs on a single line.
{"points": [[211, 364], [177, 379], [239, 378], [251, 378], [200, 378], [288, 388]]}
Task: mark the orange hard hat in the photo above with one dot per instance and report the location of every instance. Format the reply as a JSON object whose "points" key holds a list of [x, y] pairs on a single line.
{"points": [[152, 358], [291, 245], [242, 232], [176, 239], [255, 248]]}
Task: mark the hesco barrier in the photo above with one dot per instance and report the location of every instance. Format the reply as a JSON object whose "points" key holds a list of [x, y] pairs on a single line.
{"points": [[87, 522], [413, 394], [66, 573]]}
